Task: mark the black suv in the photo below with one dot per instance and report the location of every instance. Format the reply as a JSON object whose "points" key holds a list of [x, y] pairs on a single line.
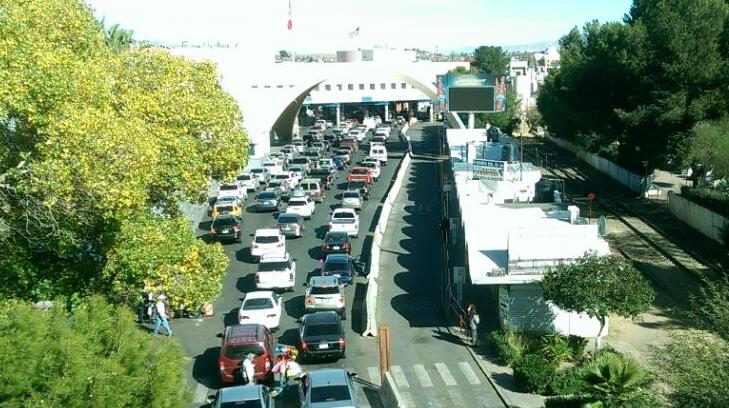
{"points": [[336, 242], [321, 335], [362, 186], [225, 227]]}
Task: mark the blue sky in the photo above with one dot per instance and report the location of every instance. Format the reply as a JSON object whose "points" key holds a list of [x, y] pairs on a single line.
{"points": [[324, 25]]}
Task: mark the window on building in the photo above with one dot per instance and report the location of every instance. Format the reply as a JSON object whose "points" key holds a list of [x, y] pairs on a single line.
{"points": [[403, 85], [279, 86], [361, 87], [266, 86], [327, 87], [383, 86], [393, 85], [372, 86], [350, 87], [339, 87], [316, 88], [254, 86]]}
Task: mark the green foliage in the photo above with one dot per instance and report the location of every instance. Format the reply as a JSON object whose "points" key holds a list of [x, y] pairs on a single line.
{"points": [[710, 308], [567, 381], [555, 349], [533, 373], [695, 365], [510, 346], [715, 199], [95, 357], [617, 381], [710, 147], [491, 60], [461, 70], [508, 120], [534, 117], [598, 286], [577, 345]]}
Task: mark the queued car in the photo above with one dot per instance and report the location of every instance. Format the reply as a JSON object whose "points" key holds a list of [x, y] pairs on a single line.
{"points": [[340, 161], [251, 395], [261, 174], [249, 182], [346, 220], [352, 199], [341, 266], [324, 176], [331, 387], [239, 340], [321, 335], [268, 241], [288, 177], [276, 272], [281, 187], [261, 307], [350, 143], [225, 227], [379, 153], [268, 200], [360, 173], [336, 242], [343, 154], [297, 173], [303, 206], [325, 293], [291, 224], [235, 190], [374, 166], [227, 205], [363, 187]]}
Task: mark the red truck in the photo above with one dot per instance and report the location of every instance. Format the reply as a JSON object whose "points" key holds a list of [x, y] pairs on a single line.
{"points": [[360, 174]]}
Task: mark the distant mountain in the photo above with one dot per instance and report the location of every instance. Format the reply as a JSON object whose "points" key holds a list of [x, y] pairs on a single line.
{"points": [[537, 46]]}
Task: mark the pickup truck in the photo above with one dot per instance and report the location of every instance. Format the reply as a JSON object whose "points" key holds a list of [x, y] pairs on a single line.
{"points": [[360, 174], [326, 177]]}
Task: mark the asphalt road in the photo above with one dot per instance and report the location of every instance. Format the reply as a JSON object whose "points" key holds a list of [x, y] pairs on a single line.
{"points": [[200, 337]]}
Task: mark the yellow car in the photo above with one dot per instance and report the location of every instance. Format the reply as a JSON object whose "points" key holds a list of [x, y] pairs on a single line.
{"points": [[227, 205]]}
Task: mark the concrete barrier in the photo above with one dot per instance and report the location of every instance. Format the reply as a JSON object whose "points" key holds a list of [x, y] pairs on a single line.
{"points": [[389, 395], [371, 295], [698, 217]]}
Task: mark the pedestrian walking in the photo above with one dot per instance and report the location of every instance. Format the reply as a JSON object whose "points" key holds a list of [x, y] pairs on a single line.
{"points": [[473, 321], [161, 318], [281, 368], [248, 369]]}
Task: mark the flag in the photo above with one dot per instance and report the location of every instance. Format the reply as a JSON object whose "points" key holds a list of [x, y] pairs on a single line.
{"points": [[354, 33]]}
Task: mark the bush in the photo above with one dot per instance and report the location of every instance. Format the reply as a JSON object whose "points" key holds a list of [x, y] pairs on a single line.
{"points": [[564, 402], [510, 346], [567, 382], [533, 373], [555, 348], [577, 344]]}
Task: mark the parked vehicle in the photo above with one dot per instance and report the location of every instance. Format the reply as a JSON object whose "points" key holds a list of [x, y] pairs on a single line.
{"points": [[325, 293], [261, 307], [291, 224], [345, 219], [360, 174], [312, 187], [336, 242], [268, 241], [248, 181], [321, 335], [331, 387], [302, 206], [227, 205], [352, 199], [239, 340], [276, 272], [225, 227], [251, 395], [268, 200]]}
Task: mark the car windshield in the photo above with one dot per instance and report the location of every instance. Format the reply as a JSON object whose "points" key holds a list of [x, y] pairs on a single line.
{"points": [[282, 177], [324, 290], [266, 239], [257, 304], [335, 237], [273, 266], [300, 160], [288, 219], [335, 266], [229, 187], [344, 215], [244, 177], [296, 203], [351, 194], [240, 351], [224, 208], [258, 171], [242, 404], [321, 329], [330, 393], [267, 196]]}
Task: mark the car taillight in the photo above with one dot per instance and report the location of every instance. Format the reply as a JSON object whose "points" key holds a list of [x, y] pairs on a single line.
{"points": [[236, 229], [254, 246], [213, 231], [304, 346], [341, 299], [221, 364], [345, 245], [241, 317], [308, 300], [291, 276], [325, 246], [341, 342], [258, 277]]}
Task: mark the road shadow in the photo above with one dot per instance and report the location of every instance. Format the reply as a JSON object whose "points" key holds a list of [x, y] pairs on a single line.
{"points": [[315, 253], [290, 337], [205, 367], [358, 309], [246, 284], [295, 307], [321, 231], [231, 317], [244, 255]]}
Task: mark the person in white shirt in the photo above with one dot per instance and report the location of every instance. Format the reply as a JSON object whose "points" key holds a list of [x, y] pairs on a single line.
{"points": [[249, 369], [161, 319]]}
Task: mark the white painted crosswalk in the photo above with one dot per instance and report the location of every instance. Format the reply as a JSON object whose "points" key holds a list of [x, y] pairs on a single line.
{"points": [[429, 375]]}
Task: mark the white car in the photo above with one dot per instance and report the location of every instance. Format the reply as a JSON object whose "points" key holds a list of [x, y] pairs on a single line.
{"points": [[235, 190], [297, 173], [357, 134], [274, 166], [298, 146], [262, 307], [304, 206], [326, 162], [287, 177], [320, 122], [268, 241], [261, 174], [346, 220], [276, 272], [248, 181], [374, 166], [352, 199], [382, 132]]}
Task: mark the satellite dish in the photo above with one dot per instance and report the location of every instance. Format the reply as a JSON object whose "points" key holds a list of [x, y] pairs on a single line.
{"points": [[602, 225]]}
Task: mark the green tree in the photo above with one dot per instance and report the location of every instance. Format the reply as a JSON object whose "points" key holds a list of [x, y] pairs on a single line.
{"points": [[461, 70], [94, 357], [119, 39], [491, 60], [598, 286], [710, 147], [533, 117]]}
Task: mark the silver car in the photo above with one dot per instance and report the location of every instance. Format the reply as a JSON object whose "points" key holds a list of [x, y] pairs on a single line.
{"points": [[352, 199], [325, 293], [242, 395], [290, 224], [331, 387]]}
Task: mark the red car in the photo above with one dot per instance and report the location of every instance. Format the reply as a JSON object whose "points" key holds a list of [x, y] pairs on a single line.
{"points": [[360, 174], [239, 340], [351, 143]]}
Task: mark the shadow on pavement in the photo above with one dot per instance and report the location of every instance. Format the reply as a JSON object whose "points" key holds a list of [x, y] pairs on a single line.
{"points": [[357, 310], [295, 307], [244, 255], [205, 368]]}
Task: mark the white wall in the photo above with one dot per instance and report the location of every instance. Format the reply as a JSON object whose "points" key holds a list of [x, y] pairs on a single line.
{"points": [[697, 217]]}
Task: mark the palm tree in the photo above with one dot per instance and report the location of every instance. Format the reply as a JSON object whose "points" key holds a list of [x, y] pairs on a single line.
{"points": [[615, 380], [118, 38]]}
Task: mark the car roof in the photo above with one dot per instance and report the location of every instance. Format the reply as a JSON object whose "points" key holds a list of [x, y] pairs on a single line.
{"points": [[328, 376], [259, 294], [267, 232], [251, 392], [289, 214], [223, 217], [246, 332], [336, 233], [344, 210], [323, 281]]}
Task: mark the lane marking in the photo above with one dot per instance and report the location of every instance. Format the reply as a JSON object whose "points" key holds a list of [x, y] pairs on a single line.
{"points": [[469, 373], [201, 393], [399, 376], [445, 374], [374, 374], [422, 375]]}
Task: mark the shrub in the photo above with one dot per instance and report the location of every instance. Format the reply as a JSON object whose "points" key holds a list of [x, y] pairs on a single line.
{"points": [[533, 373], [577, 344], [567, 382], [617, 381], [555, 348], [510, 346], [564, 402]]}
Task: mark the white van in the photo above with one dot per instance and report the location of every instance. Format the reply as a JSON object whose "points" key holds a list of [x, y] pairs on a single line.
{"points": [[379, 152]]}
